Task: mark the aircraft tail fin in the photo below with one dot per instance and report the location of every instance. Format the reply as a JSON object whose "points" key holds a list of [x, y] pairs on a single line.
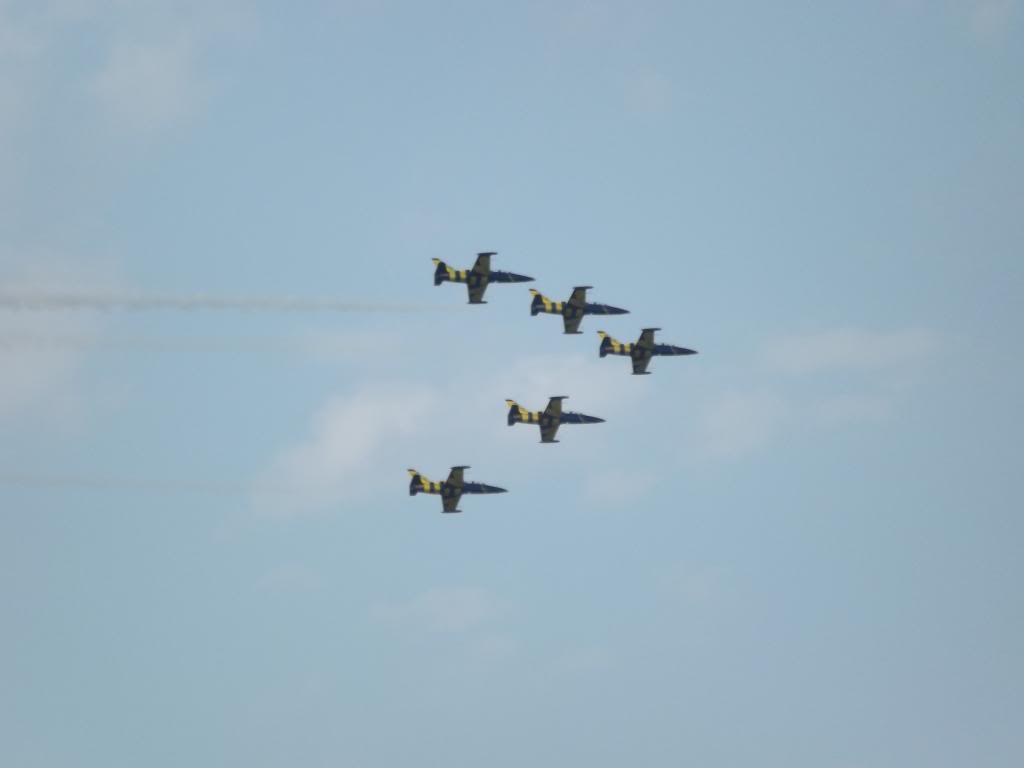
{"points": [[440, 271], [416, 483], [514, 412], [538, 304], [607, 343]]}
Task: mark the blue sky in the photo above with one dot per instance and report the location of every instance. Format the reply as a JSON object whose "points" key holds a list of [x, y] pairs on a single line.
{"points": [[799, 548]]}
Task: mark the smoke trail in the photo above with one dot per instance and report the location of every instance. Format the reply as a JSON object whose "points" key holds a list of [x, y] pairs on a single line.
{"points": [[318, 347], [54, 482], [38, 302]]}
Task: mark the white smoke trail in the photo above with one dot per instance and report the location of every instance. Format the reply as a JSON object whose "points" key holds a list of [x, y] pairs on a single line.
{"points": [[17, 341], [44, 481], [35, 301]]}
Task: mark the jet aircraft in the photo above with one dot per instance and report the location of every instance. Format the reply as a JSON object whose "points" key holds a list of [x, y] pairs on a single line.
{"points": [[478, 278], [641, 352], [550, 419], [573, 310], [450, 490]]}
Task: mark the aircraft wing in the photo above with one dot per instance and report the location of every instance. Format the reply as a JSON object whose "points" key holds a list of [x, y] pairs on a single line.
{"points": [[476, 291], [572, 324], [455, 477], [579, 296], [483, 263], [554, 409], [548, 432], [550, 420], [640, 364], [647, 338], [450, 503]]}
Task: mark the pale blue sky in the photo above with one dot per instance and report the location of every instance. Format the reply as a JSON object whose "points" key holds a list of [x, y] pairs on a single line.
{"points": [[801, 547]]}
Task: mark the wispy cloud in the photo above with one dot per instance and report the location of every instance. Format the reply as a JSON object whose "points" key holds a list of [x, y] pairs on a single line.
{"points": [[854, 349], [736, 423], [33, 373], [152, 72], [826, 379], [614, 486], [350, 437], [991, 20], [454, 610], [586, 660], [350, 450], [145, 86], [55, 300]]}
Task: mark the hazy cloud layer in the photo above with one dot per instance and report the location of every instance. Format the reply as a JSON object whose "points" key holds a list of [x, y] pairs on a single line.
{"points": [[40, 374], [824, 379], [363, 439], [453, 610], [854, 349], [350, 437]]}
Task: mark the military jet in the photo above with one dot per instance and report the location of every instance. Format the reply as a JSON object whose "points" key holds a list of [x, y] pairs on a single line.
{"points": [[550, 419], [573, 310], [642, 351], [477, 278], [450, 490]]}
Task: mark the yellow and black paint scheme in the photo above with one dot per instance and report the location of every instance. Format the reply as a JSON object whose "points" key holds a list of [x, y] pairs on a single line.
{"points": [[573, 310], [450, 490], [549, 420], [478, 278], [642, 351]]}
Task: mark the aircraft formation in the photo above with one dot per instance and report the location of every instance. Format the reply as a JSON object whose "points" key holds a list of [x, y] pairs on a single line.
{"points": [[552, 417]]}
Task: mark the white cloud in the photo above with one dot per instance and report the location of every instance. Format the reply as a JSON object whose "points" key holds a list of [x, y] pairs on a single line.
{"points": [[990, 20], [145, 86], [586, 660], [648, 92], [840, 410], [350, 442], [696, 584], [360, 442], [737, 423], [879, 369], [849, 349], [39, 378], [151, 74], [290, 579], [594, 385], [455, 610], [616, 486]]}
